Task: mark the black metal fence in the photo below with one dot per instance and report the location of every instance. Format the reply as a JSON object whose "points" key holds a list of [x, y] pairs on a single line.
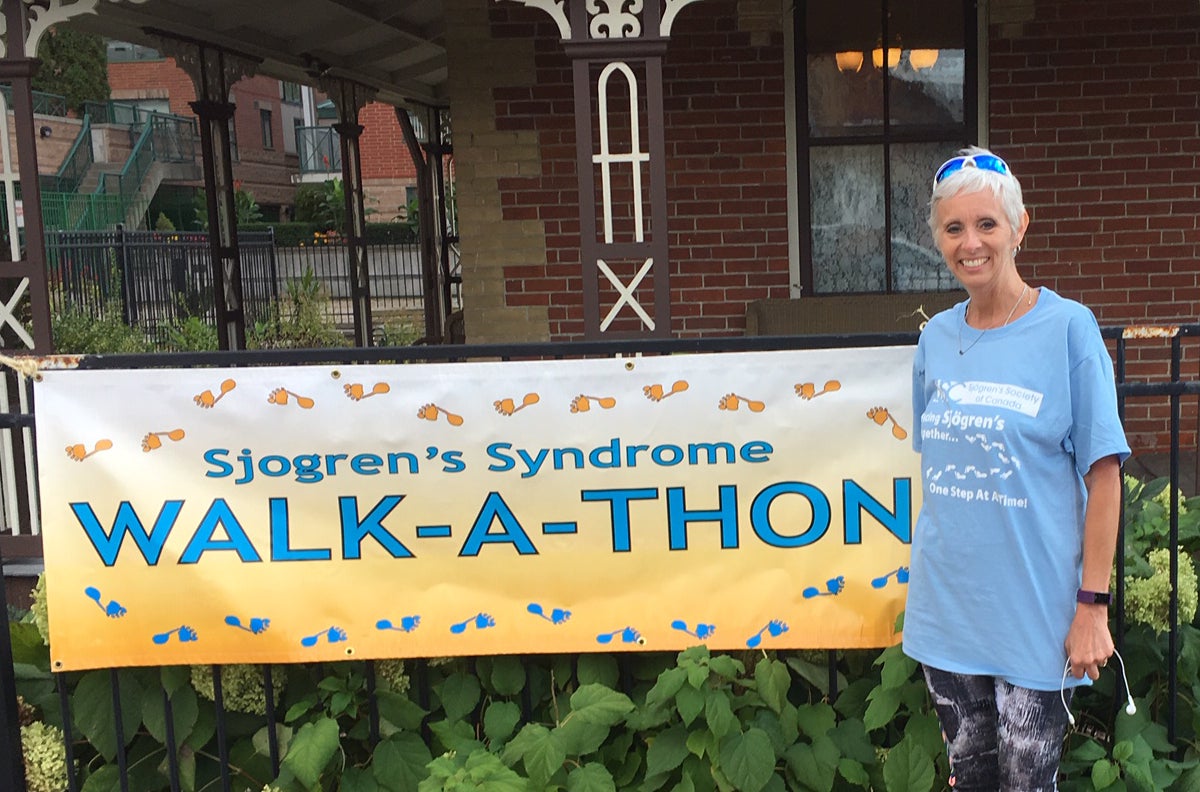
{"points": [[1170, 389], [159, 279]]}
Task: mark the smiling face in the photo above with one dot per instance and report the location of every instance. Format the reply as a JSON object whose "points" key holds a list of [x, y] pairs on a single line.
{"points": [[977, 240]]}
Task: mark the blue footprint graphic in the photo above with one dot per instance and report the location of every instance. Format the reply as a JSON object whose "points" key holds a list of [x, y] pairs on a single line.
{"points": [[774, 628], [556, 616], [628, 635], [256, 625], [833, 587], [113, 610], [333, 635], [702, 631], [407, 624], [186, 635], [901, 574], [481, 621]]}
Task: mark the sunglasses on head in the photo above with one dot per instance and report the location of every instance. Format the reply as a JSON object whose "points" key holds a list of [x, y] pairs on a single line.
{"points": [[984, 161]]}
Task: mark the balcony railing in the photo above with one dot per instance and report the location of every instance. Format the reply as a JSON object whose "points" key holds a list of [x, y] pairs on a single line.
{"points": [[320, 150]]}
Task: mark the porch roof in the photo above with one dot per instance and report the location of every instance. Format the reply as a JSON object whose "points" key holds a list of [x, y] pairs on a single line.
{"points": [[398, 48]]}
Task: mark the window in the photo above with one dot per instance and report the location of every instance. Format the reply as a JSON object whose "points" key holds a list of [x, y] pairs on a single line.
{"points": [[264, 119], [885, 93], [291, 92]]}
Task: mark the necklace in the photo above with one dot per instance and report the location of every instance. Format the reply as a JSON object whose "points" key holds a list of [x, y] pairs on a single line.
{"points": [[1007, 319]]}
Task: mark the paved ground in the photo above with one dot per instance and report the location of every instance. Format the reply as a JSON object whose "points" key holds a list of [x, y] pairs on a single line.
{"points": [[1147, 466]]}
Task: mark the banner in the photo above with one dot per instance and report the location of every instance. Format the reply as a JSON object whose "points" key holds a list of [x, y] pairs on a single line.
{"points": [[309, 513]]}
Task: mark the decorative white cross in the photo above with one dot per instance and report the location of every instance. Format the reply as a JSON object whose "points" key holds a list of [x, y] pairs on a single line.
{"points": [[625, 293]]}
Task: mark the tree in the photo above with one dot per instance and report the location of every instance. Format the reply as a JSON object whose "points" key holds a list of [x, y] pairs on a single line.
{"points": [[74, 65]]}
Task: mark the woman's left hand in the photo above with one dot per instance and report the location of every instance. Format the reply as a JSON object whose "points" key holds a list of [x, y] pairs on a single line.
{"points": [[1089, 643]]}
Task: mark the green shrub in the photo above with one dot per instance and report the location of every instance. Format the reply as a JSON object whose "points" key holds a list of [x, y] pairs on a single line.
{"points": [[299, 321]]}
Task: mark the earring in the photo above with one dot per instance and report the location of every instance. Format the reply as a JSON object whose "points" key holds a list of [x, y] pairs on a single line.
{"points": [[1016, 250]]}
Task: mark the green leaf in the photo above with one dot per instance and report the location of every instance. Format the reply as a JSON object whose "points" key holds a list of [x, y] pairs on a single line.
{"points": [[106, 779], [697, 675], [726, 667], [399, 710], [719, 714], [809, 768], [530, 735], [898, 668], [772, 679], [668, 684], [311, 750], [690, 703], [666, 751], [851, 738], [499, 720], [599, 669], [815, 720], [592, 777], [399, 762], [1189, 781], [594, 703], [1122, 750], [1104, 774], [747, 760], [701, 742], [356, 779], [459, 694], [508, 675], [854, 772], [185, 709], [1089, 751], [908, 769], [883, 706], [579, 738], [262, 745], [92, 704], [543, 759], [455, 735], [486, 773]]}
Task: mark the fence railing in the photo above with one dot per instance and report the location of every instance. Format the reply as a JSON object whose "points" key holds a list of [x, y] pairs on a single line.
{"points": [[76, 164], [163, 138], [156, 279], [256, 686], [162, 278], [43, 103]]}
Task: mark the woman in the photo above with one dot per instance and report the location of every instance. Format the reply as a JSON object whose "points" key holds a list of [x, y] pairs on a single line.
{"points": [[1021, 448]]}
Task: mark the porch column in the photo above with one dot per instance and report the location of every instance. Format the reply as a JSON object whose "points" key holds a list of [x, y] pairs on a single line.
{"points": [[349, 98], [616, 52], [214, 71], [434, 279], [23, 276]]}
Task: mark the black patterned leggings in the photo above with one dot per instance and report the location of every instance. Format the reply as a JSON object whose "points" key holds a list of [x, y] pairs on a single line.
{"points": [[999, 737]]}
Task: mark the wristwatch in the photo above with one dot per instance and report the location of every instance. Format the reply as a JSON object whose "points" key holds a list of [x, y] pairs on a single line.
{"points": [[1093, 597]]}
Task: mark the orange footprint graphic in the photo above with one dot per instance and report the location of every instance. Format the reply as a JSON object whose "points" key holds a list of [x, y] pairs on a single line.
{"points": [[731, 401], [206, 400], [508, 407], [808, 390], [79, 451], [151, 441], [430, 412], [880, 415], [280, 396], [355, 391], [655, 392], [583, 403]]}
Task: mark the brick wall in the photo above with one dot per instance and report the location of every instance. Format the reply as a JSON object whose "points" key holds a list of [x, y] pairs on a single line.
{"points": [[726, 170], [1095, 103], [264, 172]]}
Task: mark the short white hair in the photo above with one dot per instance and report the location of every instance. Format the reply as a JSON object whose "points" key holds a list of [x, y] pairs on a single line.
{"points": [[968, 180]]}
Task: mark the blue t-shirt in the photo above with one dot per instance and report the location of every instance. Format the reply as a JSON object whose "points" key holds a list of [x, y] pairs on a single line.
{"points": [[1008, 428]]}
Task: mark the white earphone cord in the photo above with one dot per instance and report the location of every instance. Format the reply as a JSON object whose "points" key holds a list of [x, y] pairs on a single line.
{"points": [[1130, 707]]}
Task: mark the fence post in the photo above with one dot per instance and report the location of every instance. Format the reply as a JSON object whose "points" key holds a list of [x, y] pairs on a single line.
{"points": [[127, 312], [12, 762]]}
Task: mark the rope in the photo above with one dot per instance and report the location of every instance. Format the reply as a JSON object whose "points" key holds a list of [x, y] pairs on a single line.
{"points": [[25, 366]]}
